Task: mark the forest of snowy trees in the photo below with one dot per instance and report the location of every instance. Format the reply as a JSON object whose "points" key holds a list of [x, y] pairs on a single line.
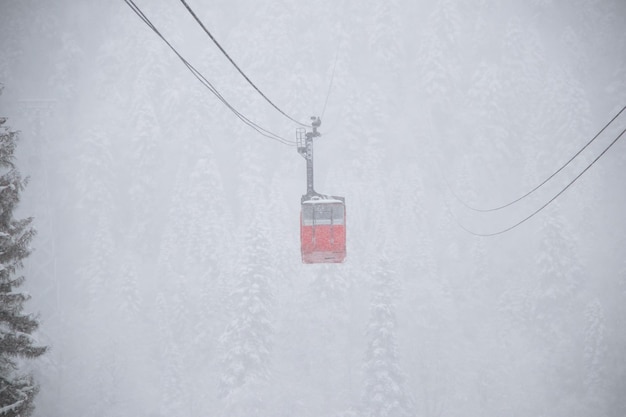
{"points": [[166, 268]]}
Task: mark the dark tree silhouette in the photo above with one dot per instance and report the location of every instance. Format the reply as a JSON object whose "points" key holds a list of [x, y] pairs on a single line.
{"points": [[17, 390]]}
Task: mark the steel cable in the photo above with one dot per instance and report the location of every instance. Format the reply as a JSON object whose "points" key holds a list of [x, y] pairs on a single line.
{"points": [[197, 19], [207, 83]]}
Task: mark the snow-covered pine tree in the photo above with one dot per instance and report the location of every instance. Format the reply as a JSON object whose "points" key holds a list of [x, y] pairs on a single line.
{"points": [[17, 390], [384, 383], [247, 340], [438, 58], [595, 357], [554, 314]]}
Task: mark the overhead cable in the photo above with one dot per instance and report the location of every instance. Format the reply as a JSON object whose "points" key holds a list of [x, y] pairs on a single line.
{"points": [[207, 83], [330, 85], [544, 181], [197, 19], [549, 201]]}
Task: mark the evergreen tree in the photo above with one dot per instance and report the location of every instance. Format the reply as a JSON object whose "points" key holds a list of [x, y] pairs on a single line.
{"points": [[17, 390], [594, 354], [384, 383], [439, 54], [555, 312], [385, 38], [247, 340]]}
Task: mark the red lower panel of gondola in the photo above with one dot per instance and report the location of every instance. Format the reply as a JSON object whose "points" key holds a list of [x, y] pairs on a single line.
{"points": [[323, 243]]}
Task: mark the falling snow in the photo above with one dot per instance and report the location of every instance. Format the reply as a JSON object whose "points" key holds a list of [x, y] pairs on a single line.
{"points": [[167, 273]]}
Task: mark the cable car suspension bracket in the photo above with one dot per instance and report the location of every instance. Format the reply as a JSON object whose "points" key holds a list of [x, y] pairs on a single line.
{"points": [[304, 141]]}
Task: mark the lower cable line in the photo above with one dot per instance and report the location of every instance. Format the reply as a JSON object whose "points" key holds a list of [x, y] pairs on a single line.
{"points": [[549, 201], [484, 210]]}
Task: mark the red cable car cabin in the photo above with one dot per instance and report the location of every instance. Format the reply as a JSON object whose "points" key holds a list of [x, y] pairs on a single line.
{"points": [[323, 229]]}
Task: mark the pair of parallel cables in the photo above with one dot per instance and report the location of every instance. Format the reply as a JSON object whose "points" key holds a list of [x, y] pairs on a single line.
{"points": [[269, 134], [206, 83], [493, 209]]}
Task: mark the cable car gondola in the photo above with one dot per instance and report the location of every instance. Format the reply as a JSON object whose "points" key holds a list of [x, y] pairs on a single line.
{"points": [[323, 229], [322, 217]]}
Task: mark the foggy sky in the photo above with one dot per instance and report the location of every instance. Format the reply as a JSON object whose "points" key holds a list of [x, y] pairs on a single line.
{"points": [[166, 270]]}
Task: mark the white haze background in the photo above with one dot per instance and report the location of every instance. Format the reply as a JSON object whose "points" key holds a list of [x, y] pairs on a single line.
{"points": [[167, 271]]}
